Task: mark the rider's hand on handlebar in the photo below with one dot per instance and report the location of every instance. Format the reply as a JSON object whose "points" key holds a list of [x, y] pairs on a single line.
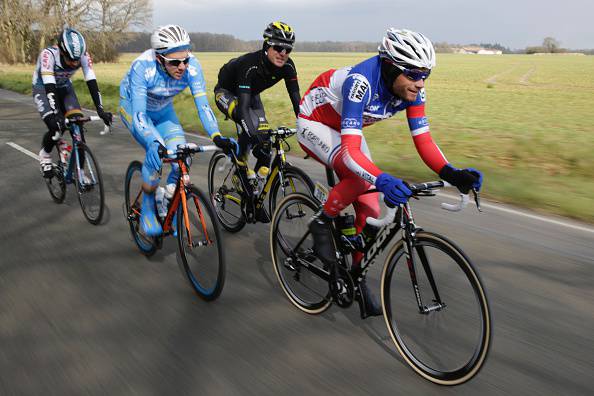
{"points": [[395, 190], [226, 144], [153, 157], [106, 116], [463, 179]]}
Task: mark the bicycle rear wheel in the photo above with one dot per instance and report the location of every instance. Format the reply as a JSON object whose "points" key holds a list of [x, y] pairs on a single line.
{"points": [[300, 273], [89, 184], [200, 245], [56, 184], [448, 339], [293, 180], [225, 193], [132, 207]]}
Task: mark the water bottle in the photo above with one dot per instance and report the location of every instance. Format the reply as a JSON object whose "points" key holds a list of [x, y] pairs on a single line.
{"points": [[252, 180], [261, 179], [160, 201], [65, 150]]}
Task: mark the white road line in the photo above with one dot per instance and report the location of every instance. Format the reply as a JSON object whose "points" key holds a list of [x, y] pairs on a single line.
{"points": [[524, 214], [23, 150]]}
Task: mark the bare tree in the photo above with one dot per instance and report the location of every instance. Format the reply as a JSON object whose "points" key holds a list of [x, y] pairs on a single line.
{"points": [[550, 44], [110, 19]]}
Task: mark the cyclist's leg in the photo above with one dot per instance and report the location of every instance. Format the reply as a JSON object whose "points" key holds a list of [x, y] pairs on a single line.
{"points": [[320, 142], [47, 142], [262, 144], [150, 175]]}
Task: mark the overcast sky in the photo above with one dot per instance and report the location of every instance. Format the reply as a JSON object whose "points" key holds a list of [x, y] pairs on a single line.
{"points": [[512, 23]]}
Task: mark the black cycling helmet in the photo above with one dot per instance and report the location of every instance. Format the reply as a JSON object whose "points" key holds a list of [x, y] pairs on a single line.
{"points": [[279, 33]]}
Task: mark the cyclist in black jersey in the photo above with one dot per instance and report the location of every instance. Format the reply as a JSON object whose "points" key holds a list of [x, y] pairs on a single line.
{"points": [[238, 89]]}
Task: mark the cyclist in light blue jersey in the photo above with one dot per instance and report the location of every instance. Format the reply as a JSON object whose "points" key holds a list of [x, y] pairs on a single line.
{"points": [[146, 108]]}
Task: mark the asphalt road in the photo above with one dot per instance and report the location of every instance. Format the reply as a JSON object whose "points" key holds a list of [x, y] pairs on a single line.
{"points": [[82, 312]]}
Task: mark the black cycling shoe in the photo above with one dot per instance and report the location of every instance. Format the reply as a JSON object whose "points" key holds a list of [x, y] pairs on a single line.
{"points": [[320, 229], [368, 303], [47, 170]]}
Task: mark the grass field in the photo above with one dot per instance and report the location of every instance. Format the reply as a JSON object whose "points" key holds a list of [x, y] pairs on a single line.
{"points": [[526, 121]]}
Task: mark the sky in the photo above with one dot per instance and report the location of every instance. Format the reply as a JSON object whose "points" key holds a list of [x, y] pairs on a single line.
{"points": [[512, 23]]}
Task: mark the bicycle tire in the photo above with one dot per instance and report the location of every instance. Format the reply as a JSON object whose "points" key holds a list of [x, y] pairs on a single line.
{"points": [[90, 195], [291, 174], [224, 196], [292, 273], [56, 185], [416, 354], [132, 207], [209, 251]]}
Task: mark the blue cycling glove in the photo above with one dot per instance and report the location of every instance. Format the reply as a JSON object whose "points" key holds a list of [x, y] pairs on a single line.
{"points": [[463, 179], [395, 191], [152, 160]]}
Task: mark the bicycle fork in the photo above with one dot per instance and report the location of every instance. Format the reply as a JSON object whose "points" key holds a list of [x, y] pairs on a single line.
{"points": [[409, 244]]}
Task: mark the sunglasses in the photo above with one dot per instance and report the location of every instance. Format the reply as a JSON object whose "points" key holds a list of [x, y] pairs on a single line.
{"points": [[416, 74], [280, 49], [175, 62]]}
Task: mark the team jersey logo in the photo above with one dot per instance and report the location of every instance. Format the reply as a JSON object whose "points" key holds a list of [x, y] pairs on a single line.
{"points": [[46, 60], [358, 89], [351, 123]]}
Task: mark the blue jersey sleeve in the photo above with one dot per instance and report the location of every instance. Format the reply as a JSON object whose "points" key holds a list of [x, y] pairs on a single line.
{"points": [[198, 88], [356, 93], [139, 80]]}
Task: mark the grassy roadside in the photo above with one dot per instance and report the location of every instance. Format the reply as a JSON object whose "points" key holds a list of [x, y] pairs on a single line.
{"points": [[519, 119]]}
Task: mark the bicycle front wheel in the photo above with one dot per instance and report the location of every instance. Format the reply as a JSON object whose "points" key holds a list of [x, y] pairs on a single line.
{"points": [[300, 273], [224, 188], [200, 245], [292, 180], [89, 184], [133, 206], [447, 338]]}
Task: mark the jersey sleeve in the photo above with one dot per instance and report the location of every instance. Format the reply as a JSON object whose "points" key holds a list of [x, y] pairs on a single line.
{"points": [[292, 85], [356, 94], [198, 89], [86, 63], [139, 80], [244, 96], [46, 68], [419, 129]]}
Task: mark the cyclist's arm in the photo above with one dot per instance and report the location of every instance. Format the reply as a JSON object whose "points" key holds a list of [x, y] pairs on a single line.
{"points": [[292, 85], [49, 79], [138, 88], [198, 89], [356, 93], [89, 74], [244, 98], [419, 129]]}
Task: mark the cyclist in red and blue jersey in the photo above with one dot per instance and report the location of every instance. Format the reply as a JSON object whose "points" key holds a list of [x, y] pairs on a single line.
{"points": [[332, 114]]}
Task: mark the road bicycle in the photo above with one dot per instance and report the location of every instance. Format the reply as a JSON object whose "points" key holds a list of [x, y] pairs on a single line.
{"points": [[77, 164], [189, 217], [232, 193], [433, 301]]}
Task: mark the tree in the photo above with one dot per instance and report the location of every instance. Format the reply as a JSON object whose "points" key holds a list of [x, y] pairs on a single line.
{"points": [[550, 45]]}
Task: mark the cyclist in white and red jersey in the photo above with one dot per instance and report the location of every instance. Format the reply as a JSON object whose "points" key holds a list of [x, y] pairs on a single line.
{"points": [[336, 107], [53, 91]]}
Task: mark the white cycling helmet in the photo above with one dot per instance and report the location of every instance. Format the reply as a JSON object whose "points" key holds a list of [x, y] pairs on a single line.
{"points": [[407, 49], [170, 38]]}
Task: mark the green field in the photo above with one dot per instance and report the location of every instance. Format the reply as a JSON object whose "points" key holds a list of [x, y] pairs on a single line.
{"points": [[526, 121]]}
